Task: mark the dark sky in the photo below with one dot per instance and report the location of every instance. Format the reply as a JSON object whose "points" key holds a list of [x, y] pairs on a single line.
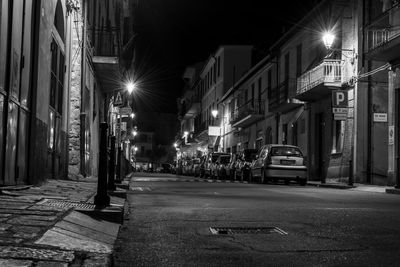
{"points": [[175, 33]]}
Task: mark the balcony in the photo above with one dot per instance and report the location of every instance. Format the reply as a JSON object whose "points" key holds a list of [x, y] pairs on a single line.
{"points": [[105, 52], [383, 36], [250, 112], [319, 81], [282, 98]]}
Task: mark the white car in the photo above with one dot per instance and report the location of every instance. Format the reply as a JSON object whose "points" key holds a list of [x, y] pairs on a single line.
{"points": [[279, 162]]}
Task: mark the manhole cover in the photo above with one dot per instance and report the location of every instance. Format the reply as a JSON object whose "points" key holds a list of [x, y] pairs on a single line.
{"points": [[67, 204], [246, 230]]}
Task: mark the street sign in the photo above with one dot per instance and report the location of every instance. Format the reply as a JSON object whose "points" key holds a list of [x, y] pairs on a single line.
{"points": [[380, 117], [391, 135], [340, 116], [339, 99], [339, 110], [125, 110], [118, 99]]}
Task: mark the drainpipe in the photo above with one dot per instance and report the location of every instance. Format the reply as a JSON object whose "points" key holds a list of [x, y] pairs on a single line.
{"points": [[83, 86]]}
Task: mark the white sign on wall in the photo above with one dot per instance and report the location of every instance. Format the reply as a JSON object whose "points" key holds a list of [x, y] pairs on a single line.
{"points": [[380, 117], [214, 131]]}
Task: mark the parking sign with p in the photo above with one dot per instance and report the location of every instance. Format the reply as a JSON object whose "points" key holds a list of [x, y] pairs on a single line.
{"points": [[339, 99]]}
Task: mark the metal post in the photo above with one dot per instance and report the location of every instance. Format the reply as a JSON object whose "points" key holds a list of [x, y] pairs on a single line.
{"points": [[111, 168], [351, 174], [102, 199], [118, 172]]}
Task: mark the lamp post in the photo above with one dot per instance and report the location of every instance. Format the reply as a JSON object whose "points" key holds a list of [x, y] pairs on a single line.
{"points": [[130, 87], [328, 39]]}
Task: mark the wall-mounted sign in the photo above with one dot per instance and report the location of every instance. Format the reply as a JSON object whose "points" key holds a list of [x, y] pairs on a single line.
{"points": [[391, 135], [339, 110], [214, 131], [339, 99], [380, 117], [340, 116], [118, 99]]}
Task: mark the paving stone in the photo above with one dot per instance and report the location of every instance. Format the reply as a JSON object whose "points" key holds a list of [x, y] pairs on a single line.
{"points": [[26, 232], [36, 253], [47, 208], [15, 263], [9, 240], [27, 212], [27, 221], [97, 260], [51, 264], [4, 226]]}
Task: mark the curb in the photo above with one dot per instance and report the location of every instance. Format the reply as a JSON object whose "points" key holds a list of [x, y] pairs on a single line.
{"points": [[336, 186]]}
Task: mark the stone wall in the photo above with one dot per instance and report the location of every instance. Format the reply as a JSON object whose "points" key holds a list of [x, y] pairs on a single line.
{"points": [[75, 98]]}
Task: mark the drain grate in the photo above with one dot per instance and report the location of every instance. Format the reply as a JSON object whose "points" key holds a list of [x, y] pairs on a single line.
{"points": [[246, 230], [67, 204]]}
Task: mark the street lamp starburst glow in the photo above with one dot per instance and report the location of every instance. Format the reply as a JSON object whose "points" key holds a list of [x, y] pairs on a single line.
{"points": [[130, 87]]}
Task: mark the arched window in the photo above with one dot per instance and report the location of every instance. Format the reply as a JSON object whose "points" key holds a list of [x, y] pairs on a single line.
{"points": [[59, 20]]}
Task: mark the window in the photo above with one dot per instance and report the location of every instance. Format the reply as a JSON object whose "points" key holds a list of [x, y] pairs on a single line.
{"points": [[252, 95], [338, 136], [269, 83], [215, 72], [284, 134], [298, 60], [219, 66]]}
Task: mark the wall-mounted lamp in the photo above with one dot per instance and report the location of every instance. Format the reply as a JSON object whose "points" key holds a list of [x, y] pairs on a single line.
{"points": [[214, 113], [329, 38]]}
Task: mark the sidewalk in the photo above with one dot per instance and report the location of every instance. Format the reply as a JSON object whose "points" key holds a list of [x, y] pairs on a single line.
{"points": [[356, 187], [57, 224]]}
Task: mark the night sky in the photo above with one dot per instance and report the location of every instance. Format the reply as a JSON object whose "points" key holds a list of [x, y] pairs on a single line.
{"points": [[173, 34]]}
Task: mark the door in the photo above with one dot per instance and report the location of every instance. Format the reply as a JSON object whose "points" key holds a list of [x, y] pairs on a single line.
{"points": [[15, 90], [319, 146]]}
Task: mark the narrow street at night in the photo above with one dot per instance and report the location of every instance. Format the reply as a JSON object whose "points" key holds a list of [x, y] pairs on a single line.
{"points": [[169, 219]]}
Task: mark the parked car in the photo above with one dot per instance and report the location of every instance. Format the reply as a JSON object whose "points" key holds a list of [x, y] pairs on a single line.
{"points": [[276, 162], [195, 167], [221, 165], [231, 168], [243, 162], [208, 164], [166, 168]]}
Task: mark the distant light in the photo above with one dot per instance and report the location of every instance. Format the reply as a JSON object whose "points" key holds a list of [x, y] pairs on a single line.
{"points": [[175, 145], [132, 115], [328, 39], [185, 133], [130, 87], [214, 113], [134, 132]]}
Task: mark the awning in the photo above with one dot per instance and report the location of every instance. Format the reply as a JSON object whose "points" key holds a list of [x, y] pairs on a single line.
{"points": [[216, 143]]}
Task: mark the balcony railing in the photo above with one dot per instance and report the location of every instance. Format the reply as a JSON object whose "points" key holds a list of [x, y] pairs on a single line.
{"points": [[251, 107], [106, 42], [384, 29], [280, 94], [329, 72]]}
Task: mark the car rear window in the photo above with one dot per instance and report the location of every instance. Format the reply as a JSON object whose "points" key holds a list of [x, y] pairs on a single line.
{"points": [[286, 151]]}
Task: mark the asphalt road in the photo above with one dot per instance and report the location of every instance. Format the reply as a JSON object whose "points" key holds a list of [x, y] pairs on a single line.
{"points": [[169, 224]]}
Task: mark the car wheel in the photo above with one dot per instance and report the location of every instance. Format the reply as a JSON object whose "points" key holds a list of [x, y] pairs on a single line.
{"points": [[303, 182], [250, 178]]}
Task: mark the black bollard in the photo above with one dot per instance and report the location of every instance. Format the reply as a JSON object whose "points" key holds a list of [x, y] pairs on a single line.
{"points": [[102, 199], [397, 185], [111, 166], [118, 178]]}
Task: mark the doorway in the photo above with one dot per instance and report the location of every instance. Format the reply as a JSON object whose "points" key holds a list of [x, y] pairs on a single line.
{"points": [[319, 150]]}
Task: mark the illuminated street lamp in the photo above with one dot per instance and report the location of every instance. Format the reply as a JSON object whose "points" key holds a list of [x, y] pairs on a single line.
{"points": [[132, 115], [130, 86], [328, 39], [214, 113]]}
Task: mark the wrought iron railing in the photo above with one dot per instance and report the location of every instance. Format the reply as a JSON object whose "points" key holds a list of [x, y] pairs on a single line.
{"points": [[384, 28], [280, 94], [106, 42], [329, 71], [251, 107]]}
